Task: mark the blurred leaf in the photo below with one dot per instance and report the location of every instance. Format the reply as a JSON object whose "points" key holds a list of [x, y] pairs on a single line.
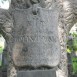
{"points": [[68, 50], [1, 50]]}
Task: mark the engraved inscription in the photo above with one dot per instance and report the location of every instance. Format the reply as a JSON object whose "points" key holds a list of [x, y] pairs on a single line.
{"points": [[36, 38]]}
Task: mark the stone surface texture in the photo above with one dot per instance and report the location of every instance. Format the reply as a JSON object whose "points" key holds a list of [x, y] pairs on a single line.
{"points": [[35, 38]]}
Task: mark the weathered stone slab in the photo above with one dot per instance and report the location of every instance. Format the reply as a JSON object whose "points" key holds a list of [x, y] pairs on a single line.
{"points": [[37, 73], [35, 38]]}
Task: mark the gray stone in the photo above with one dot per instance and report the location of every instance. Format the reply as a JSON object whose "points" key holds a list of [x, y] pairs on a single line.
{"points": [[37, 73], [35, 39]]}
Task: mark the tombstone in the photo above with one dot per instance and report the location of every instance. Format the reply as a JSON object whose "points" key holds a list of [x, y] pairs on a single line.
{"points": [[32, 40]]}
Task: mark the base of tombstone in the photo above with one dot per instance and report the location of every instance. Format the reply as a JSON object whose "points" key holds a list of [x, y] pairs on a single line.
{"points": [[37, 73]]}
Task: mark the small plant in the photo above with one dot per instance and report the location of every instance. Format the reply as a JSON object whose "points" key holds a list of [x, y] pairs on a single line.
{"points": [[72, 43], [72, 48]]}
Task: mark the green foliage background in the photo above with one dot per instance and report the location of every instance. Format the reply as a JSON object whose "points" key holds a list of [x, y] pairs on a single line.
{"points": [[72, 44], [71, 48], [74, 60]]}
